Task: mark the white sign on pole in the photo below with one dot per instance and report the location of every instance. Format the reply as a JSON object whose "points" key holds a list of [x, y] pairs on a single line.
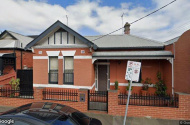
{"points": [[132, 74], [133, 71]]}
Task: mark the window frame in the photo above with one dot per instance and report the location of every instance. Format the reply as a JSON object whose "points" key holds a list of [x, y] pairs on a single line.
{"points": [[49, 78], [64, 82]]}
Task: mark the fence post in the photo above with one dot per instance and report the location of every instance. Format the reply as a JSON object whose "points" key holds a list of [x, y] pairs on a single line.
{"points": [[83, 103], [38, 95], [112, 102]]}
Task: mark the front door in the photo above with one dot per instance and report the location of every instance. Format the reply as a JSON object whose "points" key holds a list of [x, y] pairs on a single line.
{"points": [[102, 77]]}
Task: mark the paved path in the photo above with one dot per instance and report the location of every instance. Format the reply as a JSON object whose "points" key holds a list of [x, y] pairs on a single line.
{"points": [[5, 108]]}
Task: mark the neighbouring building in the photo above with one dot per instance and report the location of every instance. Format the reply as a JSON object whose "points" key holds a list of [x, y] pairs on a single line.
{"points": [[62, 58], [13, 56]]}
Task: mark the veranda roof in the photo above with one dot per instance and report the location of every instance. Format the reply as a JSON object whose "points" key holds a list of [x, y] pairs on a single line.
{"points": [[133, 55]]}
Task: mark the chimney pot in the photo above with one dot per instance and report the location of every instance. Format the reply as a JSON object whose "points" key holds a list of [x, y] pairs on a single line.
{"points": [[127, 28]]}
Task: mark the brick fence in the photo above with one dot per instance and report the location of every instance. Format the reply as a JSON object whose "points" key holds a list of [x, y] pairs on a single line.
{"points": [[180, 113], [4, 79]]}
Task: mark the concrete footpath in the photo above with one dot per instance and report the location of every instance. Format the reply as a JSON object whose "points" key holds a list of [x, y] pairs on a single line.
{"points": [[118, 120]]}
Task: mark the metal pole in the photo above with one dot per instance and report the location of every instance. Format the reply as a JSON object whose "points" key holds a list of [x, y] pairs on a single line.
{"points": [[122, 22], [172, 77], [127, 103], [67, 19], [129, 93]]}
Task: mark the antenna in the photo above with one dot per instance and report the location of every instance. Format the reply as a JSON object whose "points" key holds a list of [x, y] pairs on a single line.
{"points": [[122, 21], [67, 19]]}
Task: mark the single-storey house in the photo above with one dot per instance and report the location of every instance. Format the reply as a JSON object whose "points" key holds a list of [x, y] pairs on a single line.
{"points": [[62, 58], [13, 56]]}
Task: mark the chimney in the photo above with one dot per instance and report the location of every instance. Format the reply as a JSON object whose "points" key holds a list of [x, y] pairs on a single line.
{"points": [[127, 28]]}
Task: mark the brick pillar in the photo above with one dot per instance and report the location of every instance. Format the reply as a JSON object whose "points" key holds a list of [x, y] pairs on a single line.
{"points": [[38, 96], [83, 104], [112, 101], [184, 105], [60, 72]]}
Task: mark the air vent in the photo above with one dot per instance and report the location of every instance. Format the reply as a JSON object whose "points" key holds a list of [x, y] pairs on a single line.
{"points": [[39, 52], [82, 51]]}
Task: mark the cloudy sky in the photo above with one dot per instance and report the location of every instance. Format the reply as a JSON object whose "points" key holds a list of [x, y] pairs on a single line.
{"points": [[97, 17]]}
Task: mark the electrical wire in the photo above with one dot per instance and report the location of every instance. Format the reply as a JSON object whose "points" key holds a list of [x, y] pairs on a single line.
{"points": [[136, 20]]}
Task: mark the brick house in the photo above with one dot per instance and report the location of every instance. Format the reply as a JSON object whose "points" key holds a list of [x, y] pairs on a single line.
{"points": [[180, 47], [62, 58], [12, 55]]}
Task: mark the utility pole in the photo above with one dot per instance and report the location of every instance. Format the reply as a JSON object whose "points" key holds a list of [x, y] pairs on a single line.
{"points": [[122, 21]]}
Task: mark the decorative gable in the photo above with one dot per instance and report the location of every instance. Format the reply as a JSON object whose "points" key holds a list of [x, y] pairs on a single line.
{"points": [[60, 34]]}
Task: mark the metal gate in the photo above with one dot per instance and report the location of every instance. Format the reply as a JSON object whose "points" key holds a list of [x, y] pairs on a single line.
{"points": [[26, 81], [98, 100]]}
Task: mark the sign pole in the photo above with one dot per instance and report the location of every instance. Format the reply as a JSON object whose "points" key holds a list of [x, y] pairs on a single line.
{"points": [[129, 93]]}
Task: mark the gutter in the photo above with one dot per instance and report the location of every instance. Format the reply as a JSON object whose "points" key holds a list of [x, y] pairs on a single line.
{"points": [[122, 48]]}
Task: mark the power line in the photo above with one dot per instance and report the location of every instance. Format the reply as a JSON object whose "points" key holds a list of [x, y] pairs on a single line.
{"points": [[136, 20]]}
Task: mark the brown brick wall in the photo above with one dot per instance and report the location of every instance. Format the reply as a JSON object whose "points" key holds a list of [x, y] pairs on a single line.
{"points": [[182, 63], [81, 106], [26, 60], [5, 79], [149, 68], [83, 68], [40, 71], [180, 113]]}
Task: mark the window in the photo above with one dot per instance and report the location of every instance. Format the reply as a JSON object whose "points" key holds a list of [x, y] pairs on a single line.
{"points": [[58, 38], [53, 70], [68, 70]]}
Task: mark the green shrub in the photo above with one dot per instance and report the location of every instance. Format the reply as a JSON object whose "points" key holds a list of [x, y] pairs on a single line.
{"points": [[116, 85]]}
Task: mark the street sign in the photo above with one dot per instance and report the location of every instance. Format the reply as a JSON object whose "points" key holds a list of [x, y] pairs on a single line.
{"points": [[132, 74], [133, 71]]}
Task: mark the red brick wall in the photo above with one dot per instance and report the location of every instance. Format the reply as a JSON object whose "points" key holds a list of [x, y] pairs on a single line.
{"points": [[83, 68], [81, 106], [149, 69], [40, 71], [5, 79], [182, 63], [181, 113], [26, 59]]}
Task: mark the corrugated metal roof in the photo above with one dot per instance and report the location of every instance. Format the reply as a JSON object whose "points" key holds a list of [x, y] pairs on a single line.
{"points": [[124, 41], [21, 38], [9, 44], [133, 54], [172, 40]]}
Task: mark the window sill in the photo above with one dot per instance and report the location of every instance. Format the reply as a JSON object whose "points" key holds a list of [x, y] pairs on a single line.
{"points": [[133, 84]]}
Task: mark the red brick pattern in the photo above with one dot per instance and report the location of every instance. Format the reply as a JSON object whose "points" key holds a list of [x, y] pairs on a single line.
{"points": [[180, 113], [5, 79], [27, 58]]}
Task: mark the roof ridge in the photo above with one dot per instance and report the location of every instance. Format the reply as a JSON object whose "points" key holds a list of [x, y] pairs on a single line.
{"points": [[172, 39], [147, 39], [17, 33], [107, 35]]}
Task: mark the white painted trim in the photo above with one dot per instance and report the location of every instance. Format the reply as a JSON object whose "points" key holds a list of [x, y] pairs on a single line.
{"points": [[68, 53], [134, 84], [60, 57], [53, 53], [82, 57], [63, 86], [40, 57]]}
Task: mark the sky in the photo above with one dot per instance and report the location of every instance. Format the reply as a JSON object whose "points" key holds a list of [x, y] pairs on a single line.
{"points": [[97, 17]]}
